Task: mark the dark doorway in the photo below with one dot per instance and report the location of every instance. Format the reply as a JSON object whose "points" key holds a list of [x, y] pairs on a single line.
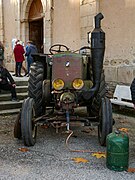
{"points": [[36, 33]]}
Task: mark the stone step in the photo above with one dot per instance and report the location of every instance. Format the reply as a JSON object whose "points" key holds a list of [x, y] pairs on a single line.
{"points": [[5, 105], [9, 111], [21, 83], [19, 89], [7, 97]]}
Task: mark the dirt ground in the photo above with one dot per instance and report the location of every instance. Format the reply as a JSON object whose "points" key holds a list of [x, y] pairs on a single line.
{"points": [[49, 159]]}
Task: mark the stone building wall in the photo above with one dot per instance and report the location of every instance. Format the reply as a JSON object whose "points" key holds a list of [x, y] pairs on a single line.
{"points": [[1, 22], [119, 25], [88, 9], [11, 29], [68, 22]]}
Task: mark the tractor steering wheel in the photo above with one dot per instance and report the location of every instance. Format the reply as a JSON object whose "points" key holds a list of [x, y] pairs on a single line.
{"points": [[58, 48], [84, 50]]}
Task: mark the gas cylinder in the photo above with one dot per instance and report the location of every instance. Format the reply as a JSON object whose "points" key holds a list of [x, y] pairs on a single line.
{"points": [[117, 154]]}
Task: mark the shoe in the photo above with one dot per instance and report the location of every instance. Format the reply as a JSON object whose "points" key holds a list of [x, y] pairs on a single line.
{"points": [[14, 75], [25, 74], [15, 100]]}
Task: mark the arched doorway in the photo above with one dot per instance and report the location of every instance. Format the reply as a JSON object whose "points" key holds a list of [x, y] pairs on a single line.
{"points": [[35, 20]]}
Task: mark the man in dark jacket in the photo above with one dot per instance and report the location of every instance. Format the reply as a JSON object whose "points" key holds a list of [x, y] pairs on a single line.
{"points": [[30, 49], [132, 88], [7, 83]]}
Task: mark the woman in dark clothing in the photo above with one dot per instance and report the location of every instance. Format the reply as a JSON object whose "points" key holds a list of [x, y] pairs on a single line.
{"points": [[132, 88], [7, 83], [1, 52]]}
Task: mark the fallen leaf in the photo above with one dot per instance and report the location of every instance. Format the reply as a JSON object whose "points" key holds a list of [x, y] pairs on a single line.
{"points": [[79, 160], [99, 155], [132, 170], [44, 126], [123, 130], [23, 149]]}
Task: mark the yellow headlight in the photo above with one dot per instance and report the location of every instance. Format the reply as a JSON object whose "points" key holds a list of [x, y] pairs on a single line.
{"points": [[78, 83], [58, 84]]}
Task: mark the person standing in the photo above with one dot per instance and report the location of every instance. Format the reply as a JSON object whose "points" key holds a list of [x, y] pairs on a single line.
{"points": [[7, 83], [30, 49], [19, 58], [1, 52], [23, 67]]}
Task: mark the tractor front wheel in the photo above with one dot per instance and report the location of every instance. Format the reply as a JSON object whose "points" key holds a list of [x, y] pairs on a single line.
{"points": [[105, 120], [28, 127]]}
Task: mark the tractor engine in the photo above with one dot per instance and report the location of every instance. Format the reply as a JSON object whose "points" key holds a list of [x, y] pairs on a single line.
{"points": [[67, 78]]}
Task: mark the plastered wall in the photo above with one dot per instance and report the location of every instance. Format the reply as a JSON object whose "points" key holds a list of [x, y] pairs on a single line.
{"points": [[66, 23], [10, 28], [119, 25]]}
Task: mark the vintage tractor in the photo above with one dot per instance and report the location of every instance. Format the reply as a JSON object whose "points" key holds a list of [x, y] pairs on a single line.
{"points": [[61, 82]]}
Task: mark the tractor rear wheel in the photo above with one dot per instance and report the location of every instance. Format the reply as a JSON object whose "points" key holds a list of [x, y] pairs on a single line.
{"points": [[28, 127], [94, 107], [35, 85], [105, 121]]}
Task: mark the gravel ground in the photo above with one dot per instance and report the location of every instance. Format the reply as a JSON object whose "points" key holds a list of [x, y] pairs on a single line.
{"points": [[50, 159]]}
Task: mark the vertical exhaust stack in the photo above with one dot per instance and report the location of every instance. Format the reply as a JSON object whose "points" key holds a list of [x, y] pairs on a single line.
{"points": [[97, 55]]}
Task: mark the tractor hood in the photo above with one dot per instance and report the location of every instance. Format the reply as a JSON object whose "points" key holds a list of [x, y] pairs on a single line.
{"points": [[67, 66]]}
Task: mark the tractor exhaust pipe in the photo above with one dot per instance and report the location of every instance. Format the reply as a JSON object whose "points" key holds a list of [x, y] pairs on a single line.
{"points": [[97, 55], [98, 19]]}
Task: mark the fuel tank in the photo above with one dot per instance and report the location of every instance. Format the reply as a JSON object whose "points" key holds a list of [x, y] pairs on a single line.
{"points": [[117, 151]]}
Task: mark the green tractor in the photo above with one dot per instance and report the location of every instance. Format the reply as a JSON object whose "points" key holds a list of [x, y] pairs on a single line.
{"points": [[62, 81]]}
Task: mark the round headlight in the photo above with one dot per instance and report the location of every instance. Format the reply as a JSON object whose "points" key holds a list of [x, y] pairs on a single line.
{"points": [[58, 84], [78, 83]]}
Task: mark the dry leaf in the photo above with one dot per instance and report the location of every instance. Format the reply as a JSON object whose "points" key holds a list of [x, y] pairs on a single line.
{"points": [[79, 160], [44, 126], [99, 155], [132, 170], [23, 149], [124, 130]]}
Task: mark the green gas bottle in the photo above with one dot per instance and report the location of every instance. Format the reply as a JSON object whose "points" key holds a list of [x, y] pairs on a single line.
{"points": [[117, 154]]}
